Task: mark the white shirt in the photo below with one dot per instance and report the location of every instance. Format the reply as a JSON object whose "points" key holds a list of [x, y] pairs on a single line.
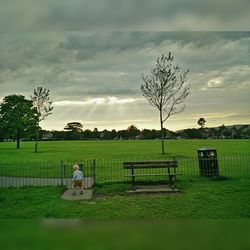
{"points": [[77, 175]]}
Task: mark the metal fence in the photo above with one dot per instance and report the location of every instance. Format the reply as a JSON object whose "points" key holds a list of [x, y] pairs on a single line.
{"points": [[111, 170]]}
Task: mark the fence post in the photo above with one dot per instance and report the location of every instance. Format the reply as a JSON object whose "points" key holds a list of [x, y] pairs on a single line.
{"points": [[94, 165], [62, 173]]}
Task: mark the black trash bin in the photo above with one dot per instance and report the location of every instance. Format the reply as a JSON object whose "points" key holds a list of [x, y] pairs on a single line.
{"points": [[208, 163]]}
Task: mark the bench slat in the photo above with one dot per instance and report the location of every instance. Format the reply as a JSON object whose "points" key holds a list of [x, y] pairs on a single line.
{"points": [[131, 175], [149, 164]]}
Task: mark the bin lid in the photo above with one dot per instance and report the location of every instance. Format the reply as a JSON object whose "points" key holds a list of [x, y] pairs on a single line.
{"points": [[206, 149]]}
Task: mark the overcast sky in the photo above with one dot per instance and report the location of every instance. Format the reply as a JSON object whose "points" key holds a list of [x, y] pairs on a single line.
{"points": [[95, 77]]}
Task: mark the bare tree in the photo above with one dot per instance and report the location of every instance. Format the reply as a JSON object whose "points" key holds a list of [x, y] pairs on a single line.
{"points": [[42, 102], [165, 89]]}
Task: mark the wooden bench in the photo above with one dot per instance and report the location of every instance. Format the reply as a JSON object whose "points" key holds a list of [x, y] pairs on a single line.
{"points": [[170, 165]]}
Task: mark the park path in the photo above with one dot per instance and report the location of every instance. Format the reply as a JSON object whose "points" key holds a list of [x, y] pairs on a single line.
{"points": [[6, 181]]}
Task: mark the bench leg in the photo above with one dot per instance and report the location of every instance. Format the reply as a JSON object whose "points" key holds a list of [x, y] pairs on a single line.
{"points": [[171, 182], [133, 180]]}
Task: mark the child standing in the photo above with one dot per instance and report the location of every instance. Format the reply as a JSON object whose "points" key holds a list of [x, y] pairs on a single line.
{"points": [[77, 180]]}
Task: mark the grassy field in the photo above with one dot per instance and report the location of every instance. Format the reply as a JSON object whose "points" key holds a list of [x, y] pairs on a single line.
{"points": [[233, 157], [78, 150], [214, 199], [224, 198]]}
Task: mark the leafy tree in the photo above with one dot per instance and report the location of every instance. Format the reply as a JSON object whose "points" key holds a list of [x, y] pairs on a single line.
{"points": [[133, 131], [145, 134], [1, 134], [165, 89], [221, 130], [201, 122], [212, 132], [248, 133], [227, 132], [95, 133], [74, 127], [42, 102], [106, 135], [192, 133], [113, 133], [18, 116], [242, 131], [87, 134], [122, 134]]}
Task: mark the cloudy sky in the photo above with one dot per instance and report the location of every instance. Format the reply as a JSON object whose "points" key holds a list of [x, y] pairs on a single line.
{"points": [[94, 72], [95, 77]]}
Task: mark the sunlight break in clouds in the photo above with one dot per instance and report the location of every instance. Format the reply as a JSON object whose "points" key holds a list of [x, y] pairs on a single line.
{"points": [[215, 83], [97, 101]]}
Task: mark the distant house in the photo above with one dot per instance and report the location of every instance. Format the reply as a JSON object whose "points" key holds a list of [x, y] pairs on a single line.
{"points": [[47, 136]]}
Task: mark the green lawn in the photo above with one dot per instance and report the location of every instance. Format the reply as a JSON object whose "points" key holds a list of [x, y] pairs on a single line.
{"points": [[56, 151], [211, 199], [233, 157], [223, 198]]}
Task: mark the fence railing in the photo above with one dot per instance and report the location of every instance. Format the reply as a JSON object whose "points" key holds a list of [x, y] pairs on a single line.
{"points": [[111, 170]]}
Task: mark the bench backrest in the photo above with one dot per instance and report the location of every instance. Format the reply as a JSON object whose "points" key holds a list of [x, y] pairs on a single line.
{"points": [[149, 164]]}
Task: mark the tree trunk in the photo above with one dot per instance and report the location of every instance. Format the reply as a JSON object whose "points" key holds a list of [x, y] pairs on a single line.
{"points": [[162, 135], [18, 140], [36, 145]]}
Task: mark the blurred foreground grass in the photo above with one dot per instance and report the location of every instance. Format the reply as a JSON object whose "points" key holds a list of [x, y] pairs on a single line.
{"points": [[123, 235]]}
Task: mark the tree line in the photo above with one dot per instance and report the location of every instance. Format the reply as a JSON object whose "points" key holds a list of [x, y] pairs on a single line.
{"points": [[133, 133]]}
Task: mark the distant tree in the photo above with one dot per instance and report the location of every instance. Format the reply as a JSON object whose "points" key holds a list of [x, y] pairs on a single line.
{"points": [[95, 133], [212, 132], [235, 133], [43, 104], [169, 134], [221, 130], [87, 134], [201, 122], [165, 89], [227, 132], [192, 133], [133, 131], [122, 134], [248, 133], [18, 117], [1, 134], [243, 131], [145, 133], [74, 127], [106, 135], [154, 134], [113, 133], [204, 132]]}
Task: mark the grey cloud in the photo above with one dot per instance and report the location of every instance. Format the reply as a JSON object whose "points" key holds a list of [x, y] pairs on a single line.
{"points": [[24, 50], [120, 14], [120, 41], [89, 44], [1, 80], [78, 65]]}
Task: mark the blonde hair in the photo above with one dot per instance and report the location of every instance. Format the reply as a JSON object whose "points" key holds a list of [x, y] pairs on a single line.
{"points": [[76, 167]]}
